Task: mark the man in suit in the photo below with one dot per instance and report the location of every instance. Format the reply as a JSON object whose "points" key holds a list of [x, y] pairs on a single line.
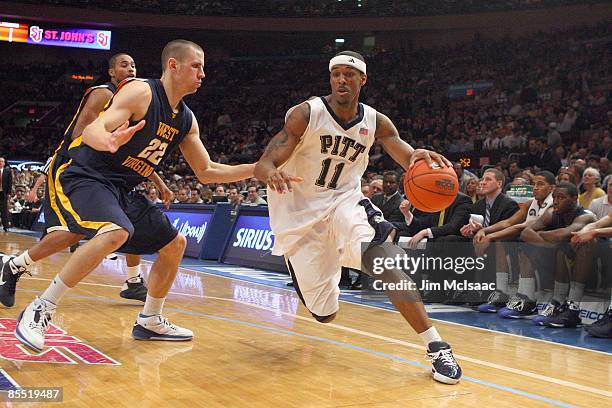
{"points": [[389, 200], [6, 183], [494, 207], [448, 222]]}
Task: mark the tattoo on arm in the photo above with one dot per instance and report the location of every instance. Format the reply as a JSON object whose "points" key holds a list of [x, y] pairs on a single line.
{"points": [[279, 141]]}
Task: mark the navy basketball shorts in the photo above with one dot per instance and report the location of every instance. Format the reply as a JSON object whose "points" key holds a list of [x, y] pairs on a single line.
{"points": [[152, 228], [86, 203]]}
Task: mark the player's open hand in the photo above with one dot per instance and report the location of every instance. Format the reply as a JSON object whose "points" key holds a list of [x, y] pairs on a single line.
{"points": [[281, 182], [122, 135], [432, 158]]}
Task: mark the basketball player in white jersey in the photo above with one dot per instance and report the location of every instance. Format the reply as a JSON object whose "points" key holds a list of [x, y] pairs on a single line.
{"points": [[511, 228], [318, 214]]}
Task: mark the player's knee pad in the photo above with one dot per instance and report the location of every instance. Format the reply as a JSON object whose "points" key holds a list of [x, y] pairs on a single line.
{"points": [[324, 319]]}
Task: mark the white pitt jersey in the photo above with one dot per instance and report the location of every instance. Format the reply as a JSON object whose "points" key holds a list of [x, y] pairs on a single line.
{"points": [[331, 158], [535, 211]]}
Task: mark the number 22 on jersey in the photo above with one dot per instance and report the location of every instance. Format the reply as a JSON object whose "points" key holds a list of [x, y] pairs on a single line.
{"points": [[154, 151]]}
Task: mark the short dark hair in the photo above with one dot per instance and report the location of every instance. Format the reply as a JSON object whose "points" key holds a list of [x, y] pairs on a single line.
{"points": [[391, 173], [570, 188], [113, 60], [548, 176], [352, 54], [499, 176], [177, 49]]}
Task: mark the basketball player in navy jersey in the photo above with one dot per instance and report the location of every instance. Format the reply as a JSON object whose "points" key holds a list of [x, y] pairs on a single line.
{"points": [[58, 236], [146, 120], [318, 214]]}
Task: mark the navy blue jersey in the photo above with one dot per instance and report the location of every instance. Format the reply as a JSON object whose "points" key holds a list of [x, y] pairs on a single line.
{"points": [[558, 221], [136, 160], [62, 149]]}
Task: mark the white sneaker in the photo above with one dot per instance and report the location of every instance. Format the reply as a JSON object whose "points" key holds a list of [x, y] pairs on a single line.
{"points": [[32, 324], [157, 327], [112, 256]]}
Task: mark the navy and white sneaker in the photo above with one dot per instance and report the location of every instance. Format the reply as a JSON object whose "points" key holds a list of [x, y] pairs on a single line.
{"points": [[157, 327], [551, 309], [445, 368], [568, 316], [497, 299], [602, 327], [135, 290], [112, 256], [32, 324], [518, 307], [384, 231], [9, 275]]}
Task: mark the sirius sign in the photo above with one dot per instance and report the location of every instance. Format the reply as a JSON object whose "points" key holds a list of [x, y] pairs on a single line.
{"points": [[251, 242]]}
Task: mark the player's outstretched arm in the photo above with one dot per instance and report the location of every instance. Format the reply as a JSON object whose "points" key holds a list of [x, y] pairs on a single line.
{"points": [[206, 170], [280, 149], [111, 129], [399, 150]]}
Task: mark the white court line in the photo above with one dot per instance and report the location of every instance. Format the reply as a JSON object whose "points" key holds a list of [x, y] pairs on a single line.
{"points": [[394, 341]]}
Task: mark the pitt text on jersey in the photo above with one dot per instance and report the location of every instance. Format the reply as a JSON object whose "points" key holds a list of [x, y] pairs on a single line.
{"points": [[341, 146], [153, 152]]}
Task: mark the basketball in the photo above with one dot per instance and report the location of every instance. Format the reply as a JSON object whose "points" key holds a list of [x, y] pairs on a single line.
{"points": [[430, 189]]}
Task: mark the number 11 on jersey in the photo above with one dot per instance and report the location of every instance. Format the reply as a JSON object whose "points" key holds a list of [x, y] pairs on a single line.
{"points": [[333, 183]]}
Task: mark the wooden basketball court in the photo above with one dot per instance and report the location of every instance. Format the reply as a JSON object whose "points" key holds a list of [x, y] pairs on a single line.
{"points": [[252, 349]]}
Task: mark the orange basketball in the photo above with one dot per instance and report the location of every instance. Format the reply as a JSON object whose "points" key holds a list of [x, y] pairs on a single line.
{"points": [[430, 189]]}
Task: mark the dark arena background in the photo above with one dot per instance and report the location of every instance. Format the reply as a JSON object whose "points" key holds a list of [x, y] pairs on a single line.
{"points": [[515, 93]]}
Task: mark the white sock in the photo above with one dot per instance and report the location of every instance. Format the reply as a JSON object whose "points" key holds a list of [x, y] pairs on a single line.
{"points": [[55, 291], [527, 287], [133, 272], [576, 292], [153, 306], [23, 260], [501, 281], [430, 335], [560, 291]]}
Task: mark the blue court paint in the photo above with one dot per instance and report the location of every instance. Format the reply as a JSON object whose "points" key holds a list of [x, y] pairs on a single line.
{"points": [[6, 382]]}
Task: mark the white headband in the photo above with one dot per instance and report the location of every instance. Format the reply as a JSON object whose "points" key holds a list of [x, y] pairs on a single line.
{"points": [[347, 60]]}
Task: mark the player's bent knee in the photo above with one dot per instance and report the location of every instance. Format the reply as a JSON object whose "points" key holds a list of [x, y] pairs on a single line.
{"points": [[176, 246], [324, 319], [117, 237]]}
